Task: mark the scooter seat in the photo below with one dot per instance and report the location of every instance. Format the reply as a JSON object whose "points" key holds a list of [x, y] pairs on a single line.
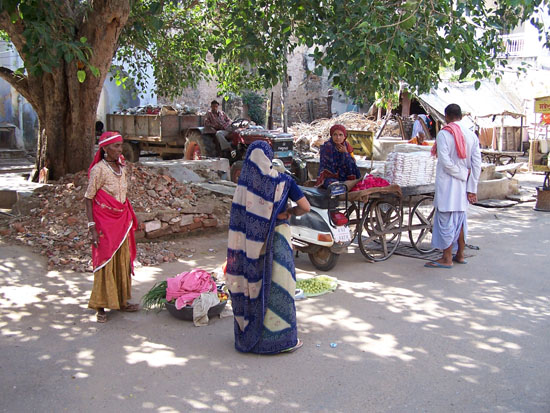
{"points": [[317, 197]]}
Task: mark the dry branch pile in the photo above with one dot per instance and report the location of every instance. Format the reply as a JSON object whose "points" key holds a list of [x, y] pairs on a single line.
{"points": [[310, 136]]}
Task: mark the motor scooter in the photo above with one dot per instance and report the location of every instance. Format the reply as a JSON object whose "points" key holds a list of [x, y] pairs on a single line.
{"points": [[323, 233]]}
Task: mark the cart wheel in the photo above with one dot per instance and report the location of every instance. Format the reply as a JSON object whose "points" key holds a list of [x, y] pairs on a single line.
{"points": [[377, 240], [323, 259], [130, 151], [372, 229], [235, 171], [199, 146], [354, 215], [421, 224]]}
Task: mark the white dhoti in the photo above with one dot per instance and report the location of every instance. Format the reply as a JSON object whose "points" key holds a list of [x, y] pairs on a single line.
{"points": [[447, 227]]}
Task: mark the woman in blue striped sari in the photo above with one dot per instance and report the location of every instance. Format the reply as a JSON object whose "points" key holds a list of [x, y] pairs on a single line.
{"points": [[260, 262]]}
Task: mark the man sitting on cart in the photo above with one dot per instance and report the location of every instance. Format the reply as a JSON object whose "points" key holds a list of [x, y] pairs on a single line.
{"points": [[337, 162]]}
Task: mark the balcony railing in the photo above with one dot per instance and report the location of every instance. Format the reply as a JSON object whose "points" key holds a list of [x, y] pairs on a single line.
{"points": [[515, 44]]}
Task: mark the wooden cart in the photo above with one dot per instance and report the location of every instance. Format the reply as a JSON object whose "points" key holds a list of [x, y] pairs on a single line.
{"points": [[379, 216], [499, 157]]}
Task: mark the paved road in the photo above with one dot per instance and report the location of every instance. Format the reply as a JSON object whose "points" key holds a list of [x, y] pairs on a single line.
{"points": [[470, 339]]}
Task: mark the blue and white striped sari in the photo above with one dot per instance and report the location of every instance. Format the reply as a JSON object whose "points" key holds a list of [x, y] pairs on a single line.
{"points": [[260, 264]]}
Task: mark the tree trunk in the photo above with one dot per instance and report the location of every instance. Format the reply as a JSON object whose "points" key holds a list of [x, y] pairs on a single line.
{"points": [[67, 117], [67, 108]]}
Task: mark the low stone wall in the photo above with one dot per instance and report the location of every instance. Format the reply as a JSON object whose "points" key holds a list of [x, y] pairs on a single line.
{"points": [[497, 188], [165, 222]]}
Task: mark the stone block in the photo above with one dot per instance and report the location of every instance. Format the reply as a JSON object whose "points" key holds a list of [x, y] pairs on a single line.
{"points": [[146, 216], [186, 220], [193, 226], [175, 220], [160, 232], [210, 222], [166, 215], [153, 226]]}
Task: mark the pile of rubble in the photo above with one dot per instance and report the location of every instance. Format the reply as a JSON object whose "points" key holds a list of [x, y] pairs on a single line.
{"points": [[310, 136], [53, 219]]}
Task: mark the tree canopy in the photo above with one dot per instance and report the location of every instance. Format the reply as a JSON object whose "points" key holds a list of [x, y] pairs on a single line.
{"points": [[367, 46], [371, 46]]}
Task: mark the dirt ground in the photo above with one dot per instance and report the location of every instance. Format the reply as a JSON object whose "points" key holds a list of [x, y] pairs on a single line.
{"points": [[404, 338]]}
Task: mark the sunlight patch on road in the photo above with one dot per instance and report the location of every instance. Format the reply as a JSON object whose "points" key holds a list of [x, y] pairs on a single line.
{"points": [[155, 355], [19, 296]]}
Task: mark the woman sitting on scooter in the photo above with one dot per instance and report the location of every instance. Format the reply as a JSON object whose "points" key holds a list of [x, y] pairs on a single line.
{"points": [[337, 161]]}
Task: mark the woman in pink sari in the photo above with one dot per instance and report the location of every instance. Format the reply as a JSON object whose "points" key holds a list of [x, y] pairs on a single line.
{"points": [[111, 222]]}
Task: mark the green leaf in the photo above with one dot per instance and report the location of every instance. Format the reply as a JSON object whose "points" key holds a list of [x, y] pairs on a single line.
{"points": [[477, 84], [81, 74], [94, 70], [46, 68], [83, 40]]}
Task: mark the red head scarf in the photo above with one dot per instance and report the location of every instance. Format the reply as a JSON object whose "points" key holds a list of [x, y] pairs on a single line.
{"points": [[105, 139], [338, 127]]}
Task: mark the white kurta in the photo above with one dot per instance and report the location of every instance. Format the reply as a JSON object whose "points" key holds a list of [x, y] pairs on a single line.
{"points": [[454, 176]]}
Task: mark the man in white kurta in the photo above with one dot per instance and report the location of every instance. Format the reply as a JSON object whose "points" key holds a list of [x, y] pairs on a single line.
{"points": [[455, 187]]}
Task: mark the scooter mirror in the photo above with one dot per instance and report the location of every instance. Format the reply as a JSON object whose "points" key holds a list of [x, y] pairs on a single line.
{"points": [[278, 165]]}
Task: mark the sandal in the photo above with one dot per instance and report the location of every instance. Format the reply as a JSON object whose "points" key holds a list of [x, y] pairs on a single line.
{"points": [[130, 308], [299, 344], [101, 317]]}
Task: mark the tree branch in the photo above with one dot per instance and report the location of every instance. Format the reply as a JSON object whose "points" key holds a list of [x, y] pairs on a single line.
{"points": [[18, 82], [14, 31]]}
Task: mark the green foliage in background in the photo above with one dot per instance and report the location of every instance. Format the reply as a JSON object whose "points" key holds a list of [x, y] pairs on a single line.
{"points": [[256, 107]]}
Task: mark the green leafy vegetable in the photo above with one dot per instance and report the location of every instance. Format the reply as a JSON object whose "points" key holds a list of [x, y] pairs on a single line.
{"points": [[155, 298]]}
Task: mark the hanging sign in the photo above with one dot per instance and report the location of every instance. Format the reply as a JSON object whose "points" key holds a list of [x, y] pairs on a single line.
{"points": [[542, 105]]}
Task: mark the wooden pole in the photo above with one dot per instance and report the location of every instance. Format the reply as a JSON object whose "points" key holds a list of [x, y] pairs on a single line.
{"points": [[521, 135], [401, 128], [501, 137]]}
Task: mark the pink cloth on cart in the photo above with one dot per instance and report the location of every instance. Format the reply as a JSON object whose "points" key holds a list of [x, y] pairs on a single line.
{"points": [[187, 286]]}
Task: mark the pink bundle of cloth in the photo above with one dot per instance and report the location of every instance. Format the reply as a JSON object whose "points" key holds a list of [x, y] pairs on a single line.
{"points": [[370, 182], [187, 286]]}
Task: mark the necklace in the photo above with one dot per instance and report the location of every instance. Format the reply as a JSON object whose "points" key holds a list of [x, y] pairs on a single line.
{"points": [[119, 173]]}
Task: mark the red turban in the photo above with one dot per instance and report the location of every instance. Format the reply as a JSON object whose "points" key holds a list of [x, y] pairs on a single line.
{"points": [[338, 127], [105, 139]]}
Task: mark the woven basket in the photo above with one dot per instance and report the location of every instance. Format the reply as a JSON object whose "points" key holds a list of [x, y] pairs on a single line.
{"points": [[186, 313], [543, 199]]}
